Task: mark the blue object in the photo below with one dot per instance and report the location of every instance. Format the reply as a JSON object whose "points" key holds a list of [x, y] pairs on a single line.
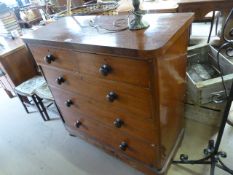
{"points": [[3, 8], [1, 73]]}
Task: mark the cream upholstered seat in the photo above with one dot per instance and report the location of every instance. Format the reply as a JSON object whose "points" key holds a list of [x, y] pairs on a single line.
{"points": [[44, 92], [29, 88]]}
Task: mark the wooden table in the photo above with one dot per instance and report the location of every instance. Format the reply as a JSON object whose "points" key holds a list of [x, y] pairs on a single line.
{"points": [[16, 62], [202, 7], [151, 7]]}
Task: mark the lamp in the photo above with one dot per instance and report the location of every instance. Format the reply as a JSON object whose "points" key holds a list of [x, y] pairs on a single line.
{"points": [[137, 23]]}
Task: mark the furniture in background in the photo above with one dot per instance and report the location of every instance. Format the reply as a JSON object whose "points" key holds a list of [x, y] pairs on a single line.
{"points": [[16, 62], [202, 7], [121, 7], [5, 84], [122, 91], [149, 6], [213, 156], [8, 22]]}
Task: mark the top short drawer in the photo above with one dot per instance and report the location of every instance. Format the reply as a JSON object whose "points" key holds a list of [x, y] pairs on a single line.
{"points": [[60, 58], [102, 66]]}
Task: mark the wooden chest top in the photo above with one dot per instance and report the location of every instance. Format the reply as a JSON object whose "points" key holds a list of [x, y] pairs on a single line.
{"points": [[78, 33]]}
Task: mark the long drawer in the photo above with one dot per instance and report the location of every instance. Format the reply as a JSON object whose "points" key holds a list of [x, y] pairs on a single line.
{"points": [[120, 143], [144, 129], [102, 66], [121, 96]]}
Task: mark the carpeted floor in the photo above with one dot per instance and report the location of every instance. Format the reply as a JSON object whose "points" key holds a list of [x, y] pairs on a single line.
{"points": [[30, 146]]}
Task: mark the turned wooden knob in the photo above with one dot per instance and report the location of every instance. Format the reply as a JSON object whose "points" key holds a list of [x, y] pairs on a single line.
{"points": [[111, 96], [77, 124], [60, 80], [118, 123], [105, 69], [69, 103], [49, 58], [123, 146]]}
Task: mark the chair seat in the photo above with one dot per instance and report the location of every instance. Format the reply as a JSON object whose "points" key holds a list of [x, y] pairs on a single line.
{"points": [[28, 87], [44, 92]]}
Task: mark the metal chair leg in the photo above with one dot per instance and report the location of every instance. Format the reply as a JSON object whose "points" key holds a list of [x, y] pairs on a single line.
{"points": [[216, 27], [22, 101], [36, 101], [43, 107], [211, 27]]}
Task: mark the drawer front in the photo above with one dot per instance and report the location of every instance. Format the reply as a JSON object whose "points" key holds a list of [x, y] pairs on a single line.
{"points": [[115, 68], [54, 57], [102, 66], [118, 120], [124, 97], [136, 149]]}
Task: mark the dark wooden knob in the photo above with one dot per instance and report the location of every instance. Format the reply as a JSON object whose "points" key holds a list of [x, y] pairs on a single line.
{"points": [[112, 96], [77, 124], [49, 58], [118, 123], [105, 69], [60, 80], [123, 146], [69, 103]]}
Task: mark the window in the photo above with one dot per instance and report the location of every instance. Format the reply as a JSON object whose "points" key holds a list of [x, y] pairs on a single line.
{"points": [[9, 3]]}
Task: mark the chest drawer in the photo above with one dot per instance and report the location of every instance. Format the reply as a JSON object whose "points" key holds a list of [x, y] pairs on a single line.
{"points": [[136, 126], [102, 66], [54, 57], [134, 148], [115, 68], [125, 97]]}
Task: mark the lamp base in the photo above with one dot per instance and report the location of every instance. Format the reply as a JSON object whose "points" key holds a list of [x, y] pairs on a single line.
{"points": [[137, 23]]}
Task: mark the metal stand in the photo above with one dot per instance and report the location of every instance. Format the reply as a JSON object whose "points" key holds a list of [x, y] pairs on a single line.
{"points": [[212, 153]]}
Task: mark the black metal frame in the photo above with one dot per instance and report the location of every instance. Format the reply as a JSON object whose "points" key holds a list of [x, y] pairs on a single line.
{"points": [[212, 154], [39, 105], [211, 26], [22, 101]]}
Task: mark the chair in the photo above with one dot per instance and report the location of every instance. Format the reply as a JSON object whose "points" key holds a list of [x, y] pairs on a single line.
{"points": [[214, 15], [28, 89], [5, 84], [44, 93]]}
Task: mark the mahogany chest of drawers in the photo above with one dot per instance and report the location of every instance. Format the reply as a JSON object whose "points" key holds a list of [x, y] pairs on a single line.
{"points": [[122, 91]]}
